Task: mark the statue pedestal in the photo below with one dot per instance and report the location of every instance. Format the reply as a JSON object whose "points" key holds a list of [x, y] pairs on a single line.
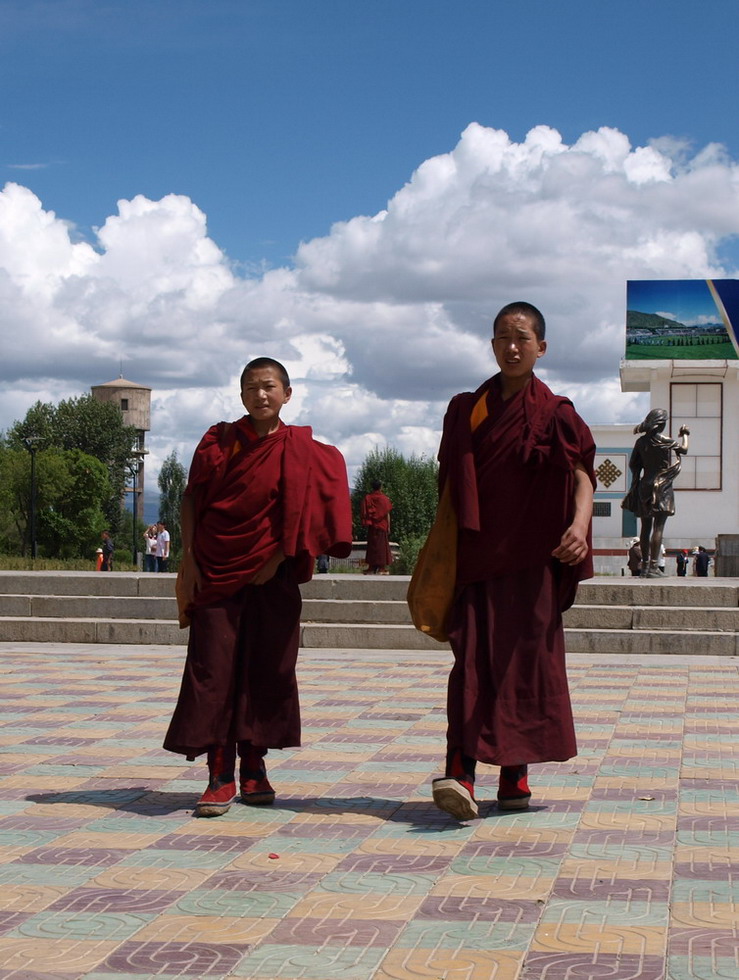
{"points": [[727, 555]]}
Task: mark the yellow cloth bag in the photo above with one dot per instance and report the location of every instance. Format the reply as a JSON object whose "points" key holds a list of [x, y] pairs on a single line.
{"points": [[431, 589]]}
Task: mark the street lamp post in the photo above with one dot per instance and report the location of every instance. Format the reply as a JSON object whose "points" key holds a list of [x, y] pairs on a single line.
{"points": [[134, 467], [30, 443]]}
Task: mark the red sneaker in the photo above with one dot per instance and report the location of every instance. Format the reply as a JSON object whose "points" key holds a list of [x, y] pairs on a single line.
{"points": [[216, 800], [513, 788], [256, 789], [455, 796]]}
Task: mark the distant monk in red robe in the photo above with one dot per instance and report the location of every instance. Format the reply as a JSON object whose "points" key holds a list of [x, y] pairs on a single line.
{"points": [[376, 509], [519, 461], [262, 501]]}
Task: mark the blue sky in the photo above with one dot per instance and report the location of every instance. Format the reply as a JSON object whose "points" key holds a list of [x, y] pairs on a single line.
{"points": [[435, 160], [279, 117], [688, 302]]}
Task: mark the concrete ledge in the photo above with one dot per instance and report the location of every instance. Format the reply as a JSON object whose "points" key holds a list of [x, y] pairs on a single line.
{"points": [[86, 583], [40, 630], [659, 592], [599, 617], [355, 611], [701, 619], [89, 607], [367, 637], [672, 618], [629, 616], [646, 642], [374, 588]]}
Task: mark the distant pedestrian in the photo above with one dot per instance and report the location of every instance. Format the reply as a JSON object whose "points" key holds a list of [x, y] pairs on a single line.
{"points": [[682, 563], [162, 547], [701, 562], [634, 561], [376, 509], [150, 548], [106, 565], [662, 560]]}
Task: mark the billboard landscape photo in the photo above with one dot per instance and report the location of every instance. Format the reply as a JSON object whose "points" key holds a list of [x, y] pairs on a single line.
{"points": [[684, 319]]}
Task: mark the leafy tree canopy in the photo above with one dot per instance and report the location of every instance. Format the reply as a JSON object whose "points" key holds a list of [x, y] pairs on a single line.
{"points": [[71, 491], [172, 482], [411, 484], [84, 424]]}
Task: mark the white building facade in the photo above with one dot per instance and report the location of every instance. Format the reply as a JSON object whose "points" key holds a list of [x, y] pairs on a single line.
{"points": [[699, 392]]}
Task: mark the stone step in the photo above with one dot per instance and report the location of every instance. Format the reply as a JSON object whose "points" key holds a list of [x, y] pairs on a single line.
{"points": [[387, 612], [354, 611], [40, 629], [645, 642], [693, 592], [89, 607], [670, 618], [362, 636]]}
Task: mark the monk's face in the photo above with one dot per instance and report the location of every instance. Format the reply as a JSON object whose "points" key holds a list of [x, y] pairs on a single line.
{"points": [[516, 346], [263, 395]]}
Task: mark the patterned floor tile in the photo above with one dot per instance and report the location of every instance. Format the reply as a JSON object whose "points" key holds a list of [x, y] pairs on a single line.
{"points": [[354, 873], [452, 964], [99, 925], [216, 930], [192, 959], [45, 956], [272, 961]]}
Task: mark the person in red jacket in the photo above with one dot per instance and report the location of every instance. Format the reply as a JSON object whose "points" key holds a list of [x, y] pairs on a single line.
{"points": [[263, 499]]}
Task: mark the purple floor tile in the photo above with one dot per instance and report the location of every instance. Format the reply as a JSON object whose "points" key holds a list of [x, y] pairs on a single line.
{"points": [[174, 959], [462, 908], [336, 932], [115, 900]]}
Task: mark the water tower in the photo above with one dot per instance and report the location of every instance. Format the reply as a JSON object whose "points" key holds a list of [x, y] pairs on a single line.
{"points": [[134, 402]]}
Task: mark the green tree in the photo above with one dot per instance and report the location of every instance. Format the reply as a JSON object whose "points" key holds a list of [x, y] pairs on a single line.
{"points": [[172, 482], [71, 490], [411, 484], [90, 426]]}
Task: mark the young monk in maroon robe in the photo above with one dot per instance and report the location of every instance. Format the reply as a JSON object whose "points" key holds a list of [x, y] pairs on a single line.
{"points": [[376, 507], [519, 461], [262, 501]]}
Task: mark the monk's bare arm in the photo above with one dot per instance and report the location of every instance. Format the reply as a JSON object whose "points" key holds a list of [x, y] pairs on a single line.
{"points": [[193, 580], [573, 548], [269, 569]]}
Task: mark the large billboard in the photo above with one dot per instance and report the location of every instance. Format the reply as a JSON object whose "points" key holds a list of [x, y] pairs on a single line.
{"points": [[682, 319]]}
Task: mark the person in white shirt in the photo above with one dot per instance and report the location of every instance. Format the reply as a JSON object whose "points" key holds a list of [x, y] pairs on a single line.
{"points": [[150, 553], [162, 547]]}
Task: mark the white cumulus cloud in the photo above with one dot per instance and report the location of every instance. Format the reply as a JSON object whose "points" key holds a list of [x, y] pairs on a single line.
{"points": [[383, 318]]}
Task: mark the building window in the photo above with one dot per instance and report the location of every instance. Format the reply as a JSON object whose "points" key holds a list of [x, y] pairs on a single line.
{"points": [[700, 407], [124, 404], [601, 508]]}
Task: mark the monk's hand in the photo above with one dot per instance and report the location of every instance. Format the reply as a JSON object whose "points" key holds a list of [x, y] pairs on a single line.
{"points": [[192, 577], [573, 548], [269, 569]]}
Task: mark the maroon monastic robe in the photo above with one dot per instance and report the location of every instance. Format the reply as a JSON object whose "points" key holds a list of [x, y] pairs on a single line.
{"points": [[511, 470], [376, 509], [253, 496]]}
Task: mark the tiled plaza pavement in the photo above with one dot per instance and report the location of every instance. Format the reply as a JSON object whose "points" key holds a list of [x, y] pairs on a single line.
{"points": [[625, 867]]}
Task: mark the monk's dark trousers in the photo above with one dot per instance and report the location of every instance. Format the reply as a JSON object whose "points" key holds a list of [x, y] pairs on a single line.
{"points": [[239, 680], [508, 699], [378, 548]]}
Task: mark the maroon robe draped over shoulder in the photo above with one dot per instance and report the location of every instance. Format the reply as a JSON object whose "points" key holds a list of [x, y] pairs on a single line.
{"points": [[376, 507], [252, 496], [511, 468]]}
